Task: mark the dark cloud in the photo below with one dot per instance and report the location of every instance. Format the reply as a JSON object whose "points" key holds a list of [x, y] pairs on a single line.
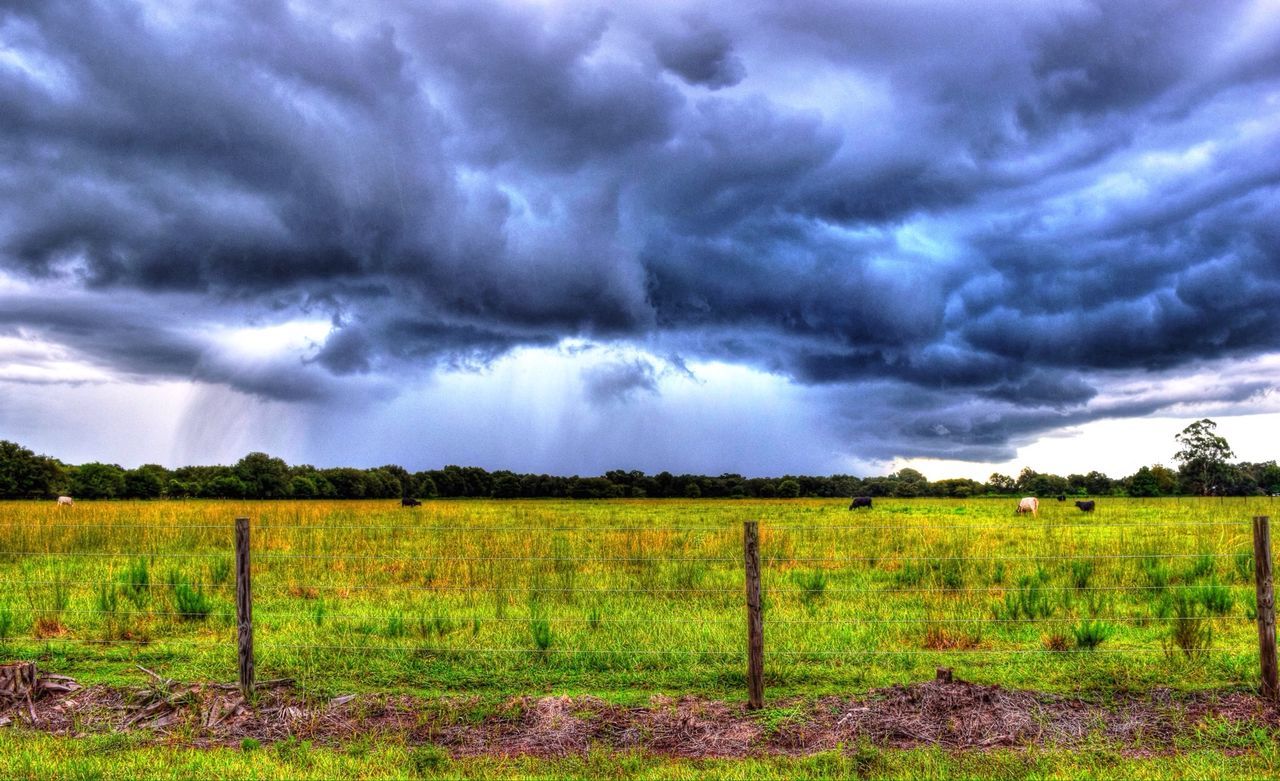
{"points": [[971, 217], [619, 381], [701, 55]]}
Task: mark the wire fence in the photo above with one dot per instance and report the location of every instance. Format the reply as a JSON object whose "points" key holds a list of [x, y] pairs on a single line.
{"points": [[614, 598]]}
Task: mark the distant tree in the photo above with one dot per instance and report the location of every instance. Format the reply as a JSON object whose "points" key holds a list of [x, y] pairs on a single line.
{"points": [[25, 475], [1202, 458], [347, 483], [1098, 484], [148, 481], [506, 486], [788, 489], [97, 481], [263, 477], [1001, 484], [692, 491], [302, 487], [1142, 483]]}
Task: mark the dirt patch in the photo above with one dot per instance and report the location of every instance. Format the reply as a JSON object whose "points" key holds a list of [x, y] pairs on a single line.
{"points": [[951, 714]]}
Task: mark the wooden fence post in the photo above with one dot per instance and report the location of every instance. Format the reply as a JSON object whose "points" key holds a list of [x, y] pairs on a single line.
{"points": [[755, 622], [244, 607], [1266, 607]]}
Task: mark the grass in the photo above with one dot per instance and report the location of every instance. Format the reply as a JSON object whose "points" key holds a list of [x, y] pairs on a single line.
{"points": [[624, 597], [108, 758]]}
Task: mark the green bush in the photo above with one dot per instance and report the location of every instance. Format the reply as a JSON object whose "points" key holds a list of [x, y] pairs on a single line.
{"points": [[1091, 634], [189, 601]]}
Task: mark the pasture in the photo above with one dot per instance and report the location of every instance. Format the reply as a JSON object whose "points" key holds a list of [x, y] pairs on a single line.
{"points": [[626, 598]]}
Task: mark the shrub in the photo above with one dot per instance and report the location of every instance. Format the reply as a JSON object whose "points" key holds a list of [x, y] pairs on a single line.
{"points": [[540, 629], [1216, 598], [1192, 631], [189, 601], [135, 583], [1091, 634], [1081, 573]]}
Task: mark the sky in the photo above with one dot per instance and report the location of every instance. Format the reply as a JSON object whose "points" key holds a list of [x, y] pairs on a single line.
{"points": [[567, 237]]}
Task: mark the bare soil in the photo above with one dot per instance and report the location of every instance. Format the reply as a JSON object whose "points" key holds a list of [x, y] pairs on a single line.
{"points": [[950, 714]]}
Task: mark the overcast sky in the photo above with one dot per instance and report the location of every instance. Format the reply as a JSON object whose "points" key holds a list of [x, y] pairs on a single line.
{"points": [[709, 236]]}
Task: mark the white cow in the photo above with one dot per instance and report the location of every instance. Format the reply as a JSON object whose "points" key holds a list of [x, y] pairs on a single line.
{"points": [[1029, 504], [65, 501]]}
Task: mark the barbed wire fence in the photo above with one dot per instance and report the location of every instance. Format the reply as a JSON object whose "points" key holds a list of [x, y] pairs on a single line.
{"points": [[779, 599]]}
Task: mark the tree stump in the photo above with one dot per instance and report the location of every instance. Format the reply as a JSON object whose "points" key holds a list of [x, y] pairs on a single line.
{"points": [[17, 682]]}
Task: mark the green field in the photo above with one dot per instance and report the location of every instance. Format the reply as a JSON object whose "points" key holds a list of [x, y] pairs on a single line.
{"points": [[626, 599]]}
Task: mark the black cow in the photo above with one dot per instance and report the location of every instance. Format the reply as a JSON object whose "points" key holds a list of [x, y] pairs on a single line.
{"points": [[860, 501], [409, 502], [1086, 506], [1062, 497]]}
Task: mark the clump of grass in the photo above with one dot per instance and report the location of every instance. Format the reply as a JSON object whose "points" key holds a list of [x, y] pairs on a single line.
{"points": [[49, 602], [1244, 566], [1191, 631], [135, 584], [1201, 567], [396, 627], [1081, 573], [437, 624], [1155, 571], [318, 613], [1056, 642], [1091, 634], [1029, 600], [189, 601], [938, 637], [1216, 598], [540, 631], [813, 587], [6, 623], [951, 573], [108, 604], [220, 571], [997, 573]]}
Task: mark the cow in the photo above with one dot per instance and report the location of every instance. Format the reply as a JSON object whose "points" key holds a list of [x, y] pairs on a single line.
{"points": [[1062, 497], [409, 502], [65, 501], [860, 501], [1086, 507], [1029, 504]]}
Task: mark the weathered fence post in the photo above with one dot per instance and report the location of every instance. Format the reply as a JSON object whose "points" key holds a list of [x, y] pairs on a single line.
{"points": [[1266, 606], [244, 607], [755, 622]]}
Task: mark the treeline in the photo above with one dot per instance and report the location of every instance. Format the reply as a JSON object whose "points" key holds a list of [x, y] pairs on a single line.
{"points": [[25, 475]]}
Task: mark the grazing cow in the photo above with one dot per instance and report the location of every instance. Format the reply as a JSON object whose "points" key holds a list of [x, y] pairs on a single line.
{"points": [[1029, 504], [1062, 497], [1085, 506], [65, 501], [860, 501], [409, 502]]}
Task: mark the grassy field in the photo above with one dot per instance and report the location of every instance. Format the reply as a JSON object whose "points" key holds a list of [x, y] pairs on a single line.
{"points": [[477, 602], [624, 598]]}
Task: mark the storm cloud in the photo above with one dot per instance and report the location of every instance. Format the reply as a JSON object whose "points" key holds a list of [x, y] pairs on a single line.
{"points": [[960, 225]]}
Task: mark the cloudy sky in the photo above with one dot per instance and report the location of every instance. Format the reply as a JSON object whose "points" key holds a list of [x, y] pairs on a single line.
{"points": [[700, 236]]}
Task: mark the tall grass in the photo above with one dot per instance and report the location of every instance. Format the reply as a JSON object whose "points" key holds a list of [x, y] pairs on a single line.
{"points": [[636, 594]]}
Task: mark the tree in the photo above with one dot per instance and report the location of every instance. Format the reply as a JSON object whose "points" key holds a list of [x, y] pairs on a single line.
{"points": [[97, 481], [1203, 457], [788, 489], [1001, 484], [25, 475], [1143, 483], [146, 482], [263, 477]]}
